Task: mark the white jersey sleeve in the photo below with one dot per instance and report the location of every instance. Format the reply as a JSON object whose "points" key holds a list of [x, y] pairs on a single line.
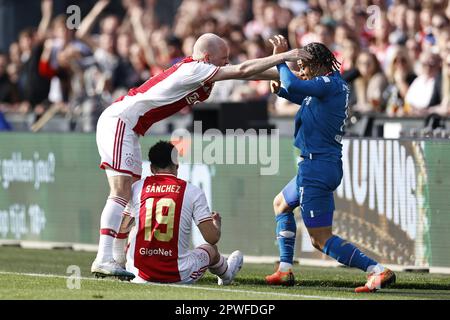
{"points": [[198, 73], [200, 208]]}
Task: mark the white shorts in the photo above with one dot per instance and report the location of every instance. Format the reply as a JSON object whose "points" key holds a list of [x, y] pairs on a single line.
{"points": [[118, 145], [192, 267]]}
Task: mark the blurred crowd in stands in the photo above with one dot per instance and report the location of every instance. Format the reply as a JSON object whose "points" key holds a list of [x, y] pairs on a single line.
{"points": [[395, 54]]}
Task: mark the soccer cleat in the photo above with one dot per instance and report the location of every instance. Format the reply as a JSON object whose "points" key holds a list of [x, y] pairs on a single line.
{"points": [[235, 262], [121, 261], [377, 281], [281, 278], [110, 269]]}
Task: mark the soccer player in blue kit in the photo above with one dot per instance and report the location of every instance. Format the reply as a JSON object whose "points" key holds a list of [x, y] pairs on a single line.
{"points": [[319, 127]]}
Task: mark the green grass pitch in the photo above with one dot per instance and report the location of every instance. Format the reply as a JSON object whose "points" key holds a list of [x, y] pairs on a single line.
{"points": [[42, 274]]}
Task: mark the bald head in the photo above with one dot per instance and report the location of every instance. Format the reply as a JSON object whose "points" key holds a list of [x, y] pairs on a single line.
{"points": [[211, 48]]}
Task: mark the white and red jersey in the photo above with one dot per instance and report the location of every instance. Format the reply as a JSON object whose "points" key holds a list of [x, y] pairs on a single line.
{"points": [[164, 207], [183, 84]]}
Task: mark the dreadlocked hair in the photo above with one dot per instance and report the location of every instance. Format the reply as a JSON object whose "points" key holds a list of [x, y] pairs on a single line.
{"points": [[322, 56]]}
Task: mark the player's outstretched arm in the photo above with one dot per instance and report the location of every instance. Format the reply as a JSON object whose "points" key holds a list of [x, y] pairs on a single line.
{"points": [[270, 74], [252, 67]]}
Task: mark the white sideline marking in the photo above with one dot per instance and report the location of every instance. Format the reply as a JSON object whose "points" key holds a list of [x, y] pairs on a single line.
{"points": [[279, 294]]}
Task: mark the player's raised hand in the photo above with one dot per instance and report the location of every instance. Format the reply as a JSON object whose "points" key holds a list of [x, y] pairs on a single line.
{"points": [[297, 54], [275, 86], [279, 44]]}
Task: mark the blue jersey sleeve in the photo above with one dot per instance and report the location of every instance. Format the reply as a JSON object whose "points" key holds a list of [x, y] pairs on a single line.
{"points": [[295, 98], [317, 87]]}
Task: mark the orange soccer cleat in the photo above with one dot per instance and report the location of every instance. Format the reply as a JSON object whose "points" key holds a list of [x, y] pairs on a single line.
{"points": [[377, 281], [281, 278]]}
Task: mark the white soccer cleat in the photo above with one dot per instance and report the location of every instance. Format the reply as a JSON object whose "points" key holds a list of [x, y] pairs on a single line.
{"points": [[235, 262], [110, 269]]}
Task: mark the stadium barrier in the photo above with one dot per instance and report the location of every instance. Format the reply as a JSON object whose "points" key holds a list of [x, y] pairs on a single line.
{"points": [[393, 200]]}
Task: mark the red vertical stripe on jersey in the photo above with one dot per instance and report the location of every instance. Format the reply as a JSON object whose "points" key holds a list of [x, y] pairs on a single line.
{"points": [[150, 257], [118, 141], [122, 133], [115, 143]]}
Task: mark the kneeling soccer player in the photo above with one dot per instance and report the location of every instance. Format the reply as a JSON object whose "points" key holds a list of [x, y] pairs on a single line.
{"points": [[164, 207], [319, 125]]}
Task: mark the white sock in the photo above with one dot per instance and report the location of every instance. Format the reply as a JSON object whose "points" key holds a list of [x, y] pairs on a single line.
{"points": [[119, 246], [221, 269], [284, 266], [377, 269], [109, 226]]}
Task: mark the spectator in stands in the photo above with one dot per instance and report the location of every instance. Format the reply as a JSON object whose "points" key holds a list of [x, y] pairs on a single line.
{"points": [[398, 21], [124, 75], [371, 83], [425, 90], [414, 49], [413, 22], [380, 43], [325, 34], [34, 88], [440, 26], [357, 20], [8, 90], [425, 17], [348, 56], [443, 108], [400, 75], [313, 16], [256, 26], [297, 28], [271, 18], [102, 45]]}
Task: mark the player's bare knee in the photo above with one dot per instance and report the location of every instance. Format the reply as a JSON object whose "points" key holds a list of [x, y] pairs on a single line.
{"points": [[280, 205], [213, 253]]}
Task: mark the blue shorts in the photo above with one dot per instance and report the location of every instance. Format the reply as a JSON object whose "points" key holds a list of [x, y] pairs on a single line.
{"points": [[312, 189]]}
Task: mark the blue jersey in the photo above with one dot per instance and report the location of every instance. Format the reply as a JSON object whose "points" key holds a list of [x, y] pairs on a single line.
{"points": [[319, 123]]}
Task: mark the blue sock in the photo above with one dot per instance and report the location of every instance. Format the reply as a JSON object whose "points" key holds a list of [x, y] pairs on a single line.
{"points": [[346, 253], [286, 230]]}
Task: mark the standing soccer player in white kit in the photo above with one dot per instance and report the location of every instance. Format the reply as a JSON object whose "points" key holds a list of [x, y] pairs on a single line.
{"points": [[120, 125]]}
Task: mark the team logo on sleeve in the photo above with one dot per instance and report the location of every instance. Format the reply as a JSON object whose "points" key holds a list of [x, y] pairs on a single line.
{"points": [[193, 98]]}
